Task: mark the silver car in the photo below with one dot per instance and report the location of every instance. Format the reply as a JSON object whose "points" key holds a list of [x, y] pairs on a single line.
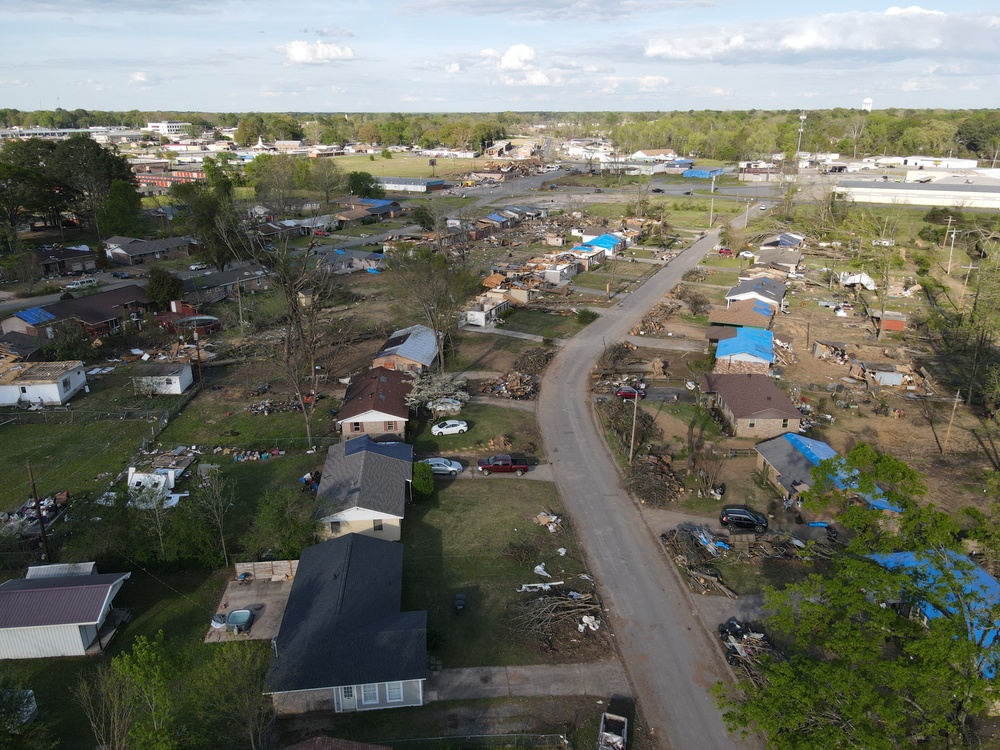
{"points": [[444, 466]]}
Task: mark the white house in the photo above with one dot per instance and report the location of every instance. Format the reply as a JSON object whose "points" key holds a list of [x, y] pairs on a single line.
{"points": [[163, 378], [57, 616], [486, 309], [31, 383]]}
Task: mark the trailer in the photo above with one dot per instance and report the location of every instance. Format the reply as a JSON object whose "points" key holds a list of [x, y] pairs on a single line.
{"points": [[614, 732]]}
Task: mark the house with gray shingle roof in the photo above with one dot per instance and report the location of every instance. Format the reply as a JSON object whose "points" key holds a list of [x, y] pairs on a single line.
{"points": [[343, 644], [765, 290], [68, 615], [364, 488], [412, 349], [129, 251]]}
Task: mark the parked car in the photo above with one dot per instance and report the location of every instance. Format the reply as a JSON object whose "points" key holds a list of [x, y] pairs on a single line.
{"points": [[321, 233], [689, 192], [444, 466], [81, 284], [656, 190], [502, 464], [743, 517], [198, 266], [746, 253], [119, 274], [627, 392], [726, 252], [449, 427], [762, 208]]}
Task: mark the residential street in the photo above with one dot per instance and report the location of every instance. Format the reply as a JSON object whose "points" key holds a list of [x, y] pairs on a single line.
{"points": [[667, 652]]}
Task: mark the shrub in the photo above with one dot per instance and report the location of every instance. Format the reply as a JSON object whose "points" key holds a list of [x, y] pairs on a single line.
{"points": [[585, 316], [423, 481]]}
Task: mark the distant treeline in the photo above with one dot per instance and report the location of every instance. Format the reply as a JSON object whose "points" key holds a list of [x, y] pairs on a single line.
{"points": [[726, 136]]}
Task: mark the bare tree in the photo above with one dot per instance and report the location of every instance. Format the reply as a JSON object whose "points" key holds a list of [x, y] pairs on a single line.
{"points": [[213, 502], [108, 703]]}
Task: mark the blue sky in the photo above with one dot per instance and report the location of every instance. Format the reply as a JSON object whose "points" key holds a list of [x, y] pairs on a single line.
{"points": [[494, 55]]}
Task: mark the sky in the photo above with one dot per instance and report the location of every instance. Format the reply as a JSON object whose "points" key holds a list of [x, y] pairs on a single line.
{"points": [[496, 55]]}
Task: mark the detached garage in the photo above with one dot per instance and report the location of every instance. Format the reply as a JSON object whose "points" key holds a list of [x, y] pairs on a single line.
{"points": [[59, 616]]}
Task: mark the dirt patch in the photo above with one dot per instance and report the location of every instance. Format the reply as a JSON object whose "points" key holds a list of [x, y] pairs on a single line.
{"points": [[487, 353]]}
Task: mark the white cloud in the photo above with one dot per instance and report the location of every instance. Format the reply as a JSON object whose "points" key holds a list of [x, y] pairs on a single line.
{"points": [[452, 68], [304, 53], [12, 82], [920, 84], [138, 76], [653, 83], [895, 34], [518, 57]]}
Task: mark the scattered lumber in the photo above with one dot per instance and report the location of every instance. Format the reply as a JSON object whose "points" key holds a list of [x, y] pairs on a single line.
{"points": [[515, 385]]}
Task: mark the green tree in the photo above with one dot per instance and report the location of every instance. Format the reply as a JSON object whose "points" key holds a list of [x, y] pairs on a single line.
{"points": [[273, 178], [325, 177], [283, 525], [107, 701], [150, 679], [229, 693], [364, 185], [250, 129], [120, 214], [423, 480], [88, 170], [69, 342], [163, 287], [426, 285], [423, 217]]}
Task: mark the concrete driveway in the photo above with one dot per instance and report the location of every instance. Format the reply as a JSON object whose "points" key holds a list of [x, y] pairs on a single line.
{"points": [[669, 654]]}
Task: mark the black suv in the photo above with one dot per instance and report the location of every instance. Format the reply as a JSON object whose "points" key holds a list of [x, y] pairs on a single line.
{"points": [[743, 517]]}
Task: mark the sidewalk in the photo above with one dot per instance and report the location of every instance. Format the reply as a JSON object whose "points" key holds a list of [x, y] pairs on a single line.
{"points": [[602, 679], [491, 329]]}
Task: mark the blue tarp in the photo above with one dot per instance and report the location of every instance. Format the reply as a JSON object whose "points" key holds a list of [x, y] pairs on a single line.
{"points": [[704, 174], [372, 270], [35, 315], [498, 217], [980, 592], [606, 242], [756, 342]]}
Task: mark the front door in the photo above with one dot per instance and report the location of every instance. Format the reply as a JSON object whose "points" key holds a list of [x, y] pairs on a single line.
{"points": [[348, 700]]}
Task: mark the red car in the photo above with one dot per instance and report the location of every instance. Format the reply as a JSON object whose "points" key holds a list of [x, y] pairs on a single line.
{"points": [[627, 392], [725, 251], [321, 233]]}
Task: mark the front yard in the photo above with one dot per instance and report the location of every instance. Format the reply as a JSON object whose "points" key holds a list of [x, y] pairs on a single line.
{"points": [[486, 422], [541, 323]]}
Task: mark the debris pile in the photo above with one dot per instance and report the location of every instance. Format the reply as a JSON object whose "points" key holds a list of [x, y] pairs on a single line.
{"points": [[653, 480], [500, 443], [544, 616], [656, 319], [745, 644], [694, 550], [273, 406], [515, 385], [534, 361]]}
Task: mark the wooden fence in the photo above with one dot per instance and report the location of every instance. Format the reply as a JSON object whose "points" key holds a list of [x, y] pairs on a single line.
{"points": [[269, 570]]}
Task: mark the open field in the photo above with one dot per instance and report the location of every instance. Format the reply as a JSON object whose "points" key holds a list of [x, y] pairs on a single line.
{"points": [[406, 165], [540, 323]]}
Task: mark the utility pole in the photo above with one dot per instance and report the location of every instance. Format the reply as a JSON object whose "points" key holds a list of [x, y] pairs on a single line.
{"points": [[38, 511], [947, 435], [965, 285], [945, 239], [952, 251], [802, 126], [635, 415]]}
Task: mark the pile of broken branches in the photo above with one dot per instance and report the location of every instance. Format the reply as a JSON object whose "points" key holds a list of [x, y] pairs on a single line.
{"points": [[515, 385], [656, 319], [534, 361], [653, 480], [544, 615]]}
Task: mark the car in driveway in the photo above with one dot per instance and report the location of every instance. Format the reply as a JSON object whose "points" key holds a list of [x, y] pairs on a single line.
{"points": [[441, 465], [762, 208], [449, 427], [119, 275], [746, 254], [726, 252], [628, 393], [743, 517], [198, 266]]}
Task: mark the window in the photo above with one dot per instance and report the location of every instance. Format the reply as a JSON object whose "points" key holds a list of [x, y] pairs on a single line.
{"points": [[377, 525], [369, 694], [784, 424], [356, 427], [347, 693], [390, 426], [24, 389], [335, 527], [752, 423], [65, 384], [394, 692]]}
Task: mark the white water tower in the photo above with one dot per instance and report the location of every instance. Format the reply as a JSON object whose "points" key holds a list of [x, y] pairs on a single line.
{"points": [[866, 105]]}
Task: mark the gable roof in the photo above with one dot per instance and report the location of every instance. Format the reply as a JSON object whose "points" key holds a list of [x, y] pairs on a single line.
{"points": [[378, 389], [133, 247], [342, 624], [754, 342], [361, 473], [101, 307], [750, 396], [417, 343], [744, 312], [61, 600], [763, 287]]}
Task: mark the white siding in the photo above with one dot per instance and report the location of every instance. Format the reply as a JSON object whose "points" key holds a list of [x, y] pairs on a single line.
{"points": [[42, 642]]}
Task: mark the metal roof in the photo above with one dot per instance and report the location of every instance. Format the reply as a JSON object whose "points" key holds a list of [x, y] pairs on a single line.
{"points": [[417, 343], [62, 600]]}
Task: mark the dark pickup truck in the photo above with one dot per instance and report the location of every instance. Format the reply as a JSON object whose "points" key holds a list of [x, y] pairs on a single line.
{"points": [[502, 464]]}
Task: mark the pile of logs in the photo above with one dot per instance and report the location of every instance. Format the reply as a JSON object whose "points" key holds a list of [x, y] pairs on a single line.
{"points": [[534, 361], [515, 385], [653, 480], [656, 319], [694, 549]]}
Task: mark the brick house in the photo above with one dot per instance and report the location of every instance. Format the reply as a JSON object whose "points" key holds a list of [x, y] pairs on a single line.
{"points": [[752, 405], [375, 404]]}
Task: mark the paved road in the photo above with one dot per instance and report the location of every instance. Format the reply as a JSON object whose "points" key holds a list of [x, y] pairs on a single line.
{"points": [[670, 659], [599, 679]]}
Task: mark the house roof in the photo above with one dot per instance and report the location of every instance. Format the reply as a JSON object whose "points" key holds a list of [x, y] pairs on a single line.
{"points": [[744, 312], [768, 288], [781, 256], [342, 624], [62, 600], [19, 344], [135, 247], [101, 307], [417, 343], [160, 369], [380, 390], [754, 342], [35, 316], [607, 241], [361, 473], [350, 214], [980, 593], [224, 278], [15, 372], [750, 396]]}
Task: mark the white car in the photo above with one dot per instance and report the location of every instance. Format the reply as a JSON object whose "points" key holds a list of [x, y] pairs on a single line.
{"points": [[198, 266], [746, 253], [449, 427], [762, 208], [445, 406], [444, 466]]}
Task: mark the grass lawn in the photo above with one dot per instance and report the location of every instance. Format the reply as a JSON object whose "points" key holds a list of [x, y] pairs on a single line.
{"points": [[475, 351], [454, 542], [753, 576], [405, 165], [541, 323], [485, 423]]}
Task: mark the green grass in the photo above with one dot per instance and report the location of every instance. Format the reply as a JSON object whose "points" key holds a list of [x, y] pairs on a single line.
{"points": [[406, 165], [454, 542], [543, 324], [474, 351], [485, 423]]}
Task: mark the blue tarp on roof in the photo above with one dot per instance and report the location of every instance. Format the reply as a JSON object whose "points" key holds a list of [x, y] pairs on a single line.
{"points": [[790, 239], [35, 315], [704, 174], [606, 242], [816, 451], [756, 342], [762, 308], [498, 217], [980, 592], [375, 202]]}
